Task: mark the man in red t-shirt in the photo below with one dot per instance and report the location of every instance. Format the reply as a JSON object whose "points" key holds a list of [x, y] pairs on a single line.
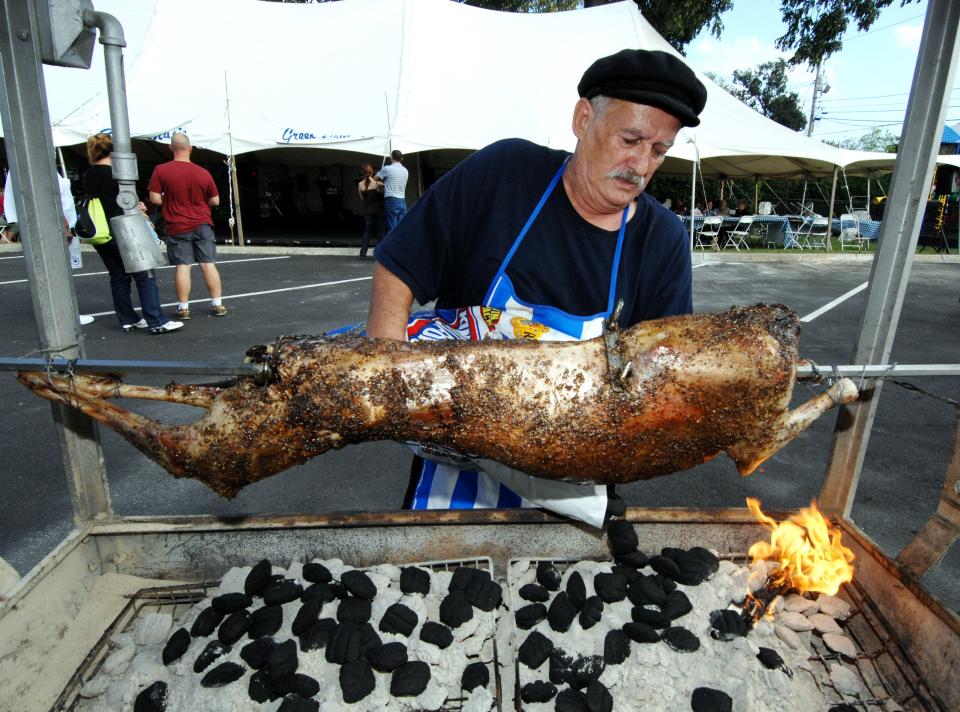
{"points": [[185, 193]]}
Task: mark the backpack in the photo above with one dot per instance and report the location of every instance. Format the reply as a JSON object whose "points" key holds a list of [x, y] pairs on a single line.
{"points": [[92, 225]]}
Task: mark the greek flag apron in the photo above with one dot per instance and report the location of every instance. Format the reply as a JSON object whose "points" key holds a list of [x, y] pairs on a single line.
{"points": [[450, 481]]}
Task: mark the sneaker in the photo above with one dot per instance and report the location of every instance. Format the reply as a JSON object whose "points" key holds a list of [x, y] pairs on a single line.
{"points": [[166, 328], [85, 319], [218, 310], [142, 324], [183, 314]]}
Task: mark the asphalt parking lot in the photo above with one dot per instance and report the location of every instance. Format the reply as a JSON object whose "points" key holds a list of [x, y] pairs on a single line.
{"points": [[270, 293]]}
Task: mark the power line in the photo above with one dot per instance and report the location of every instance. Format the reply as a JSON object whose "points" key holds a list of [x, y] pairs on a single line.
{"points": [[860, 35]]}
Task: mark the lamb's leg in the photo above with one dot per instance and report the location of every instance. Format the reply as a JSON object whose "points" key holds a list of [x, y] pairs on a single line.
{"points": [[749, 454]]}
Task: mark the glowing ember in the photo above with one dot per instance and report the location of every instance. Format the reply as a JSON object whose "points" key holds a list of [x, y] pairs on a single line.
{"points": [[808, 550]]}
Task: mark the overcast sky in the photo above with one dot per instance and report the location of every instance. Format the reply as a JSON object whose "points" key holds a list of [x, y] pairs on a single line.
{"points": [[869, 78]]}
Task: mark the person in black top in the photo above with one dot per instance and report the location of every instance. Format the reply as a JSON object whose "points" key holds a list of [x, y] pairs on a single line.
{"points": [[98, 182]]}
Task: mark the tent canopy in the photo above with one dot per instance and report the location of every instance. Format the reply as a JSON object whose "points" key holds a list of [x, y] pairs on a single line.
{"points": [[369, 76]]}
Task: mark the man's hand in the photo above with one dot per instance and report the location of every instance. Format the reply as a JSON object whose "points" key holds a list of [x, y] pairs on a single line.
{"points": [[389, 305]]}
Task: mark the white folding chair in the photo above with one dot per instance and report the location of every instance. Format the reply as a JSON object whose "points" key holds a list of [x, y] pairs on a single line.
{"points": [[708, 236], [737, 237], [850, 232], [812, 235]]}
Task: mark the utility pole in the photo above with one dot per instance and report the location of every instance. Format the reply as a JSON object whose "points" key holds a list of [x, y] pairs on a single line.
{"points": [[813, 103]]}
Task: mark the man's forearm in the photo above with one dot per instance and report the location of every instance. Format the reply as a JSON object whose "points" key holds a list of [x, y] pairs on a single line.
{"points": [[389, 305]]}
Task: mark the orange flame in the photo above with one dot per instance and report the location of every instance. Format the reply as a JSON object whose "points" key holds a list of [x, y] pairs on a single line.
{"points": [[807, 548]]}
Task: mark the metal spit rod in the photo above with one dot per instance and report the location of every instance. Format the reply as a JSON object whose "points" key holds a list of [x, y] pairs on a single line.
{"points": [[260, 371]]}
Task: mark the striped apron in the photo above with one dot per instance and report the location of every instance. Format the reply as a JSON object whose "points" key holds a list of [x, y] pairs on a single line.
{"points": [[448, 480]]}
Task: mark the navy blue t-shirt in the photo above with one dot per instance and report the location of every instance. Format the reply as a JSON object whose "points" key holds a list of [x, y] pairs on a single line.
{"points": [[451, 242]]}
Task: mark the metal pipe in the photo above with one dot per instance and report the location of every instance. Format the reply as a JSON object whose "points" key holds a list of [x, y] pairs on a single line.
{"points": [[933, 76], [194, 368], [876, 371]]}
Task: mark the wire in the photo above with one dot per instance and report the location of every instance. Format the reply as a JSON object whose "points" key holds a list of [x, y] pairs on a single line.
{"points": [[860, 35]]}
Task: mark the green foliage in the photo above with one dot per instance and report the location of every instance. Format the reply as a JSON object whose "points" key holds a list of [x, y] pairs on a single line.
{"points": [[877, 140], [524, 5], [765, 89], [679, 21], [815, 27]]}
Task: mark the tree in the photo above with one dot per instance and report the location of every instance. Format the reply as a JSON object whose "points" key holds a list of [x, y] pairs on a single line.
{"points": [[765, 89], [524, 5], [878, 139]]}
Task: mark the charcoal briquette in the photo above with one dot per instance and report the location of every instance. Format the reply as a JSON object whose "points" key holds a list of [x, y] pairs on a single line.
{"points": [[317, 635], [844, 707], [646, 590], [769, 658], [535, 650], [338, 589], [585, 670], [436, 634], [308, 614], [534, 592], [576, 590], [345, 644], [230, 602], [667, 567], [315, 572], [622, 537], [538, 691], [359, 584], [462, 576], [223, 674], [727, 624], [259, 689], [265, 621], [694, 569], [153, 698], [599, 698], [571, 700], [676, 606], [300, 684], [356, 680], [610, 587], [707, 558], [680, 639], [206, 622], [388, 657], [455, 609], [560, 664], [369, 640], [483, 592], [283, 661], [176, 646], [651, 616], [706, 699], [616, 647], [319, 591], [353, 610], [410, 679], [413, 579], [257, 578], [548, 576], [257, 653], [632, 559], [591, 612], [213, 650], [616, 505], [561, 612], [475, 675], [666, 583], [641, 632], [529, 615], [398, 619], [295, 703], [234, 626], [628, 572], [276, 593]]}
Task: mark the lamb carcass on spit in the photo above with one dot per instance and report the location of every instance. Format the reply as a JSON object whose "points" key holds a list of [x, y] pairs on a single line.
{"points": [[657, 398]]}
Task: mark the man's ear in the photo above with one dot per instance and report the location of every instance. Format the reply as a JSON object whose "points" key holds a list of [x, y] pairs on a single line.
{"points": [[582, 115]]}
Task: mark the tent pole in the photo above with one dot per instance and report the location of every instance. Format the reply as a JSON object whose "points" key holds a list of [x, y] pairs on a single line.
{"points": [[833, 195], [234, 185], [803, 200], [756, 193]]}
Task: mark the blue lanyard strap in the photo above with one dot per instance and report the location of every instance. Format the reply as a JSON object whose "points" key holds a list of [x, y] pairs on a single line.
{"points": [[616, 262]]}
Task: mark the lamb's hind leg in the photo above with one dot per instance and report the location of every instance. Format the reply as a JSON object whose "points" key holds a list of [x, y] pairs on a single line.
{"points": [[750, 454]]}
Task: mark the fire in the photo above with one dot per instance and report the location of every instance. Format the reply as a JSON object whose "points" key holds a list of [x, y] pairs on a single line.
{"points": [[808, 550]]}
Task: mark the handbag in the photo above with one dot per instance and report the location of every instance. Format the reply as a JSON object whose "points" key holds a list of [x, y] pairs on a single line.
{"points": [[92, 225]]}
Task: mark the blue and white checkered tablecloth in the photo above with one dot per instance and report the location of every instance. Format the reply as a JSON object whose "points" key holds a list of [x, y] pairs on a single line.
{"points": [[870, 229]]}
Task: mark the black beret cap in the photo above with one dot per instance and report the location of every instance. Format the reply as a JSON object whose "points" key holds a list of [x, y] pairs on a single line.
{"points": [[653, 78]]}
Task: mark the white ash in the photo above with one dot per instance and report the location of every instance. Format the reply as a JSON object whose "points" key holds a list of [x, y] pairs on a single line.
{"points": [[655, 677], [133, 667]]}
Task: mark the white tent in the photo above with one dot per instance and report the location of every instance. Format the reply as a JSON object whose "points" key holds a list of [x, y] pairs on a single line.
{"points": [[371, 75]]}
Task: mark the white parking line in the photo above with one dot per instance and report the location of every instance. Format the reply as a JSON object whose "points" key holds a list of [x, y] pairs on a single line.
{"points": [[827, 307], [257, 294], [219, 262]]}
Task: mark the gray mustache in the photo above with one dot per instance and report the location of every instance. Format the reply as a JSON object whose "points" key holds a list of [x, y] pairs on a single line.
{"points": [[627, 174]]}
